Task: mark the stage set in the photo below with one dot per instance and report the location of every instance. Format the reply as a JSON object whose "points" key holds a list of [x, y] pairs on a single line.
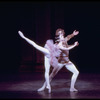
{"points": [[24, 86], [22, 66]]}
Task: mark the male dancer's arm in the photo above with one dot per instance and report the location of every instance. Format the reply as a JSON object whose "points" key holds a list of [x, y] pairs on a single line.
{"points": [[68, 37]]}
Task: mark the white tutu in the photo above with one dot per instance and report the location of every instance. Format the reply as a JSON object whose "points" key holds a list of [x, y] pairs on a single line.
{"points": [[54, 52]]}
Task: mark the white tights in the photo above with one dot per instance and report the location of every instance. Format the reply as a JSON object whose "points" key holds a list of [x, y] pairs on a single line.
{"points": [[47, 60], [71, 67]]}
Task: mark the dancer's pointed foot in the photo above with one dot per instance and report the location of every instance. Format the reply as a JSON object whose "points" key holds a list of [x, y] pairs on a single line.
{"points": [[49, 89], [73, 90], [41, 89]]}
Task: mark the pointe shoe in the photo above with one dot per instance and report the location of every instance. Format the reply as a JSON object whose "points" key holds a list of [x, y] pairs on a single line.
{"points": [[73, 90], [41, 89], [49, 89]]}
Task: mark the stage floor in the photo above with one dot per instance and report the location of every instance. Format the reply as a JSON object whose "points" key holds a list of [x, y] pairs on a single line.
{"points": [[25, 85]]}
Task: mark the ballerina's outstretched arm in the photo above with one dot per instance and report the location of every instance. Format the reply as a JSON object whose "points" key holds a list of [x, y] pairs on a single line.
{"points": [[40, 48]]}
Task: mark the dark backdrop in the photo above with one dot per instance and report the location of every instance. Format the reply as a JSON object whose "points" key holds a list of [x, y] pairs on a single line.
{"points": [[39, 21]]}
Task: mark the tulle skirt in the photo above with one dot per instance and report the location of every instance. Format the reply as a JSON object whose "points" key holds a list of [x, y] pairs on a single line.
{"points": [[54, 52]]}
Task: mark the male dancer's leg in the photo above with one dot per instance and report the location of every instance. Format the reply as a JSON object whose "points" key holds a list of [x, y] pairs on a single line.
{"points": [[72, 68]]}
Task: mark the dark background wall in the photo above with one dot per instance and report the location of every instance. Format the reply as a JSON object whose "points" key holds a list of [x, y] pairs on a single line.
{"points": [[39, 21]]}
